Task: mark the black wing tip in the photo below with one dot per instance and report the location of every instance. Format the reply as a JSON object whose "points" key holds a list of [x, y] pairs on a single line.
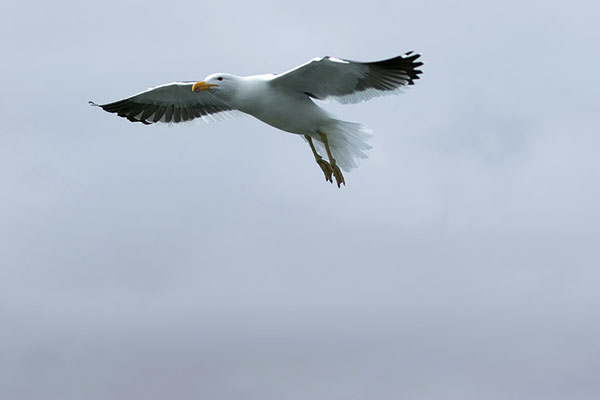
{"points": [[120, 108], [411, 55], [408, 62]]}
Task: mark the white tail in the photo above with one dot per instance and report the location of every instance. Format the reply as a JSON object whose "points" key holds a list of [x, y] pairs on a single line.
{"points": [[347, 141]]}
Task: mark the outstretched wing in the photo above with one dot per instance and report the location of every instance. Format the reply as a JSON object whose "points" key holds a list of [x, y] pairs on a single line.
{"points": [[351, 81], [173, 102]]}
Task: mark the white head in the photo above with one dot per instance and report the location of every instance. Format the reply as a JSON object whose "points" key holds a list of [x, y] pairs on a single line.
{"points": [[217, 83]]}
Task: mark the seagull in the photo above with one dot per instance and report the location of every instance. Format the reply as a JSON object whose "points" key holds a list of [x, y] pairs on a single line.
{"points": [[285, 101]]}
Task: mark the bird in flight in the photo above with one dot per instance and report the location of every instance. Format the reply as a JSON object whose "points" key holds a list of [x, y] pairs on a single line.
{"points": [[285, 101]]}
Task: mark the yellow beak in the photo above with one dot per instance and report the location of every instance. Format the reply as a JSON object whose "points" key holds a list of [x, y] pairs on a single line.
{"points": [[202, 85]]}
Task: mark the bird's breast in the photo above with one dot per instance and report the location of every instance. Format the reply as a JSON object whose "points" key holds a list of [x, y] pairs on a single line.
{"points": [[288, 111]]}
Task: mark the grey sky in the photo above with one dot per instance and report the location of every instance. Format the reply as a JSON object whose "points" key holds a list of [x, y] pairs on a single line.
{"points": [[213, 261]]}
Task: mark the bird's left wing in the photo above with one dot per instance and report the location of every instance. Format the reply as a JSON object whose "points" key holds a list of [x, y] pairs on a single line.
{"points": [[173, 102], [351, 81]]}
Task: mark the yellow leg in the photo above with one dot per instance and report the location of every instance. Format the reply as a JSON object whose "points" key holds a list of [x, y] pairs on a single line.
{"points": [[337, 173], [322, 163]]}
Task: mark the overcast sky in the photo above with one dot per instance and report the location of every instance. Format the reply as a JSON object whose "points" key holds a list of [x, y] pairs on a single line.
{"points": [[213, 261]]}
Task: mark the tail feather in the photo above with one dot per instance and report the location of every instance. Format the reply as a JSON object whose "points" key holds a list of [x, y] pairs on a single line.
{"points": [[347, 141]]}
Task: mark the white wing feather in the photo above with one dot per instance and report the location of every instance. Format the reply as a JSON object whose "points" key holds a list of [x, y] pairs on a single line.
{"points": [[350, 81]]}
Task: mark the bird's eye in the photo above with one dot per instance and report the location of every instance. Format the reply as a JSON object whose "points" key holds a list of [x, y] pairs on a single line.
{"points": [[220, 78]]}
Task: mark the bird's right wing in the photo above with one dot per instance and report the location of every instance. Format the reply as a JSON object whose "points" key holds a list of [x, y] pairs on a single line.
{"points": [[173, 102], [349, 81]]}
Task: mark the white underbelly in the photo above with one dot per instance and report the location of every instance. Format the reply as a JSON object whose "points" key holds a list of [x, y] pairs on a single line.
{"points": [[295, 113]]}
